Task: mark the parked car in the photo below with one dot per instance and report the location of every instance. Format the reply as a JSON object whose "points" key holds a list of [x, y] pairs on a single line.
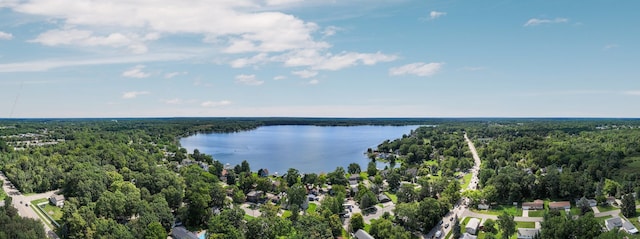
{"points": [[438, 234], [446, 225]]}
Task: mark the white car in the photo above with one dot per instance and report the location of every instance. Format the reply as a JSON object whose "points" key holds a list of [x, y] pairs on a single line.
{"points": [[438, 234]]}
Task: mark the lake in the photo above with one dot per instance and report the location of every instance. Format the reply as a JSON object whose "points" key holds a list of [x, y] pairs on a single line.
{"points": [[310, 149]]}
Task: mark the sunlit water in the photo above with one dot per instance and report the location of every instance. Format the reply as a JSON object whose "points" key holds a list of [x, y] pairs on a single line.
{"points": [[306, 148]]}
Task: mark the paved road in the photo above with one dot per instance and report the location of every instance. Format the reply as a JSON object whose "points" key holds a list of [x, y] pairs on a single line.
{"points": [[609, 213], [19, 201], [476, 163]]}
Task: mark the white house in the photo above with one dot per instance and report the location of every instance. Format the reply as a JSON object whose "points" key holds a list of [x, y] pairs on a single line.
{"points": [[527, 233], [472, 226], [57, 200], [629, 228], [613, 223]]}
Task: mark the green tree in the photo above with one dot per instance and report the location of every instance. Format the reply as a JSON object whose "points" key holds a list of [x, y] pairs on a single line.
{"points": [[393, 179], [407, 193], [457, 232], [292, 176], [296, 194], [507, 225], [155, 231], [354, 168], [628, 206], [372, 169], [337, 177], [490, 226], [356, 223]]}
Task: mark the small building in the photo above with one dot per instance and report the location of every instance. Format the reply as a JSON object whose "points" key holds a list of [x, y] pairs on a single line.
{"points": [[527, 233], [483, 206], [57, 200], [263, 172], [535, 205], [560, 205], [361, 234], [468, 236], [613, 223], [182, 233], [472, 226], [629, 228], [611, 200], [254, 196], [382, 198], [592, 202], [312, 197]]}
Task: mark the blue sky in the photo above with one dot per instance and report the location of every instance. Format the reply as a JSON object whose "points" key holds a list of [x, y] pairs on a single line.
{"points": [[351, 58]]}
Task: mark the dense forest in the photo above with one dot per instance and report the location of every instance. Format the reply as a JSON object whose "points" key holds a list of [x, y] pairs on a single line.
{"points": [[127, 178]]}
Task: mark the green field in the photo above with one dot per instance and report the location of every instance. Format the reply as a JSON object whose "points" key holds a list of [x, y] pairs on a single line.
{"points": [[525, 225], [312, 207], [497, 210], [607, 208], [38, 201], [2, 193], [536, 213], [286, 214], [53, 211]]}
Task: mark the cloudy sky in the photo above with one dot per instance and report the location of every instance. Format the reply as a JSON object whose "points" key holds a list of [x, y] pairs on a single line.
{"points": [[348, 58]]}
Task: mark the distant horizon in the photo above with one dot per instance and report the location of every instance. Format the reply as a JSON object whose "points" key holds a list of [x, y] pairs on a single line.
{"points": [[328, 117]]}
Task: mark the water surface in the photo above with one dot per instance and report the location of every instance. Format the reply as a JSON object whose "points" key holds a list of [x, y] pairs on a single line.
{"points": [[307, 148]]}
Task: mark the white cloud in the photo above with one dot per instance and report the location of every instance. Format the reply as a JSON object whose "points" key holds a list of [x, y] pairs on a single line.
{"points": [[248, 80], [610, 46], [435, 14], [313, 82], [538, 21], [76, 37], [326, 61], [330, 31], [281, 2], [134, 94], [632, 92], [279, 77], [242, 62], [418, 68], [174, 101], [136, 72], [174, 74], [305, 73], [5, 36], [215, 103]]}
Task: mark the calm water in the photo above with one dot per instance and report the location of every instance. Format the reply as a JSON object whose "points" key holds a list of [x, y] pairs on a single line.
{"points": [[306, 148]]}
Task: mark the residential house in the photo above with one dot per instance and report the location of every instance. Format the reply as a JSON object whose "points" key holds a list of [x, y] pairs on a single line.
{"points": [[182, 233], [263, 172], [57, 199], [254, 196], [472, 226], [592, 202], [629, 228], [613, 223], [535, 205], [560, 205], [468, 236], [361, 234], [354, 179], [527, 233], [382, 198], [483, 206], [611, 200]]}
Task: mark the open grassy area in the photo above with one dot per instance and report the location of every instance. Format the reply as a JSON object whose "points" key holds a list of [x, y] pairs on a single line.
{"points": [[497, 210], [247, 217], [286, 214], [392, 196], [525, 225], [464, 221], [38, 201], [466, 179], [312, 207], [602, 219], [536, 213], [364, 175], [607, 208], [42, 217], [53, 211], [2, 193]]}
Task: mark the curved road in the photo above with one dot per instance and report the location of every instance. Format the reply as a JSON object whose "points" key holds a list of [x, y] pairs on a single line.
{"points": [[19, 201]]}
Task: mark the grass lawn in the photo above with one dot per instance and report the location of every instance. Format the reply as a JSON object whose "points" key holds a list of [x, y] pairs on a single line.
{"points": [[53, 211], [467, 180], [536, 213], [367, 227], [38, 201], [525, 225], [364, 175], [312, 207], [497, 210], [392, 196], [607, 208], [602, 219], [247, 217], [464, 222], [286, 214], [2, 193]]}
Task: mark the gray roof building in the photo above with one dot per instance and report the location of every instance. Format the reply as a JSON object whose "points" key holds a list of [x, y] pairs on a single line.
{"points": [[361, 234], [182, 233]]}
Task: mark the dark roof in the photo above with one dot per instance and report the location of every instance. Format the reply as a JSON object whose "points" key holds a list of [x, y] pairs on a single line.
{"points": [[182, 233], [562, 204], [361, 234], [382, 197]]}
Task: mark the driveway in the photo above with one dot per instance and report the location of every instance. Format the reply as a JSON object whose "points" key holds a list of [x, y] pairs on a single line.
{"points": [[387, 207], [19, 201]]}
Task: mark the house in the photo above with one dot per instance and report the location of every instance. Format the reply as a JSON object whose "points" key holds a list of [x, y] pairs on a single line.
{"points": [[560, 205], [629, 228], [57, 199], [483, 206], [535, 205], [592, 202], [468, 236], [613, 223], [312, 197], [361, 234], [354, 179], [611, 200], [182, 233], [412, 172], [254, 196], [383, 198], [472, 226], [527, 233]]}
